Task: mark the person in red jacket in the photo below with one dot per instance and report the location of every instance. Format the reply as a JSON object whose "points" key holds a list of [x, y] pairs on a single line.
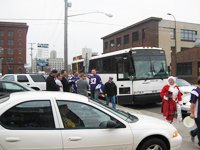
{"points": [[171, 95]]}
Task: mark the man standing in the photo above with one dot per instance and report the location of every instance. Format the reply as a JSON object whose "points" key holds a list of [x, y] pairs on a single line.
{"points": [[110, 91], [74, 78], [195, 111], [50, 82], [58, 82], [95, 85], [64, 81], [82, 85]]}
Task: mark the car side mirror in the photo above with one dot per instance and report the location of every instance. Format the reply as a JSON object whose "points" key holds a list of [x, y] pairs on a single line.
{"points": [[111, 124]]}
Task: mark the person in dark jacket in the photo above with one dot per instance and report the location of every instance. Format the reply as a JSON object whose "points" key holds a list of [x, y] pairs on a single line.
{"points": [[64, 81], [110, 92], [51, 84]]}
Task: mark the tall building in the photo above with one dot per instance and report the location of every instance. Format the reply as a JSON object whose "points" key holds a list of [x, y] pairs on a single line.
{"points": [[13, 41], [54, 62], [153, 32]]}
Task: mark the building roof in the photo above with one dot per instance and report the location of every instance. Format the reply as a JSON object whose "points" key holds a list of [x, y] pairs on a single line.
{"points": [[133, 25], [13, 24]]}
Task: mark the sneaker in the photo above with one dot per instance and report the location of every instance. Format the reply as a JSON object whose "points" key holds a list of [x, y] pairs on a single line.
{"points": [[192, 138]]}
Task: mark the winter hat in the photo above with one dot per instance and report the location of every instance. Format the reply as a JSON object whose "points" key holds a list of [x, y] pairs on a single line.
{"points": [[172, 77]]}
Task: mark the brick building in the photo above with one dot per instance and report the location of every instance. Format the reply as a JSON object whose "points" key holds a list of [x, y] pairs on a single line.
{"points": [[188, 64], [153, 32], [13, 42]]}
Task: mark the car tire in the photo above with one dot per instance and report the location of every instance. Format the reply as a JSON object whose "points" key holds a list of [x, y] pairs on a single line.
{"points": [[152, 144]]}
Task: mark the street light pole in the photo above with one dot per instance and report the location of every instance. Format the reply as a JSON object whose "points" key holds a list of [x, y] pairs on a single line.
{"points": [[175, 43], [66, 31]]}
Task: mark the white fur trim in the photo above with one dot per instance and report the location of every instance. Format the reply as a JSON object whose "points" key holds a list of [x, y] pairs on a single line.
{"points": [[171, 77], [174, 91], [180, 102], [166, 98]]}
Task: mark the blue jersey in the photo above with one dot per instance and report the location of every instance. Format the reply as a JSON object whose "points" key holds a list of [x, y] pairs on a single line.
{"points": [[74, 85], [95, 82], [195, 94]]}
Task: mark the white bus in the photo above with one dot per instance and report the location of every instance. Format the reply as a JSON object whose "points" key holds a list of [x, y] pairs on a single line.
{"points": [[139, 73]]}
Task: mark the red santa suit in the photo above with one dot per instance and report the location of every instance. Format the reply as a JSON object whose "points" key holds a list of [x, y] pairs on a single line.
{"points": [[170, 95]]}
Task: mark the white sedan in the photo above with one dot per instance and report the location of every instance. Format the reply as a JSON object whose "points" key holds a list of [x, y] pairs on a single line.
{"points": [[42, 120], [185, 89]]}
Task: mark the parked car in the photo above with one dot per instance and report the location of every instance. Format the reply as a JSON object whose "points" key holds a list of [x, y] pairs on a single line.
{"points": [[185, 88], [35, 81], [56, 120], [7, 87]]}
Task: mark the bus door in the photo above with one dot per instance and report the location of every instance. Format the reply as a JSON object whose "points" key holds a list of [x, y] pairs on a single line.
{"points": [[124, 84]]}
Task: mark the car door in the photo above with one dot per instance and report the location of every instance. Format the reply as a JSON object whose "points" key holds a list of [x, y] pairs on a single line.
{"points": [[89, 131], [23, 80], [31, 126]]}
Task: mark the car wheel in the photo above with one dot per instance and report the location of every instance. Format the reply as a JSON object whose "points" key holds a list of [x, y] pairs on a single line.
{"points": [[153, 144]]}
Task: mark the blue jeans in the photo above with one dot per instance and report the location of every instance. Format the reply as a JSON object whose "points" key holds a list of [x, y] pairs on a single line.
{"points": [[95, 94], [197, 130], [112, 99]]}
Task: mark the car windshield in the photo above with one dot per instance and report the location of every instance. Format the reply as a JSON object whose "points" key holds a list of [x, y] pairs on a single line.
{"points": [[27, 87], [182, 83], [120, 113]]}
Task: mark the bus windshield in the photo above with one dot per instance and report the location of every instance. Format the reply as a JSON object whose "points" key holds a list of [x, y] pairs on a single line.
{"points": [[150, 67]]}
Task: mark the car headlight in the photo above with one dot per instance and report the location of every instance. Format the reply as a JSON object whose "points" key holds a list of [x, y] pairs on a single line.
{"points": [[188, 104], [175, 134]]}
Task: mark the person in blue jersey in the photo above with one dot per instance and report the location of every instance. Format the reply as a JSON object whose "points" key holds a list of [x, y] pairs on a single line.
{"points": [[74, 78], [195, 111], [95, 85]]}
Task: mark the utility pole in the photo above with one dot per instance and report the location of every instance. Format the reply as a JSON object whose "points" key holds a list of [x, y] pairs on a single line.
{"points": [[65, 38], [31, 56]]}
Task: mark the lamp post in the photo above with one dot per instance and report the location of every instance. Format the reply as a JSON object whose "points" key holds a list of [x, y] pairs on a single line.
{"points": [[175, 42], [66, 31]]}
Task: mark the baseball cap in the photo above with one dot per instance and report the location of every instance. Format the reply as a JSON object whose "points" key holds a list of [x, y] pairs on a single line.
{"points": [[110, 77]]}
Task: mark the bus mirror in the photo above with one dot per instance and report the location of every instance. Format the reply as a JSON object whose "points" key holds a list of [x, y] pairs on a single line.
{"points": [[131, 77], [131, 71]]}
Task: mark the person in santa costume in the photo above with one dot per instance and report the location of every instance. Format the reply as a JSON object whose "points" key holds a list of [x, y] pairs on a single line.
{"points": [[171, 95]]}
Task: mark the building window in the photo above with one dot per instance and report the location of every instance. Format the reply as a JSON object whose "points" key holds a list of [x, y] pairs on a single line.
{"points": [[184, 48], [184, 69], [143, 34], [188, 35], [20, 70], [126, 39], [20, 33], [20, 51], [10, 70], [10, 42], [20, 42], [119, 41], [106, 45], [112, 44], [20, 60], [1, 42], [10, 50], [1, 32], [10, 60], [135, 36], [173, 51], [172, 33], [10, 33]]}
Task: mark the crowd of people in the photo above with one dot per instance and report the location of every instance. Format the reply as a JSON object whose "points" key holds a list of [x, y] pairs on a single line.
{"points": [[58, 82]]}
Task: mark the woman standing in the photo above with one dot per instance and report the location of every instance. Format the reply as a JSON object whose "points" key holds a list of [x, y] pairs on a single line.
{"points": [[171, 95]]}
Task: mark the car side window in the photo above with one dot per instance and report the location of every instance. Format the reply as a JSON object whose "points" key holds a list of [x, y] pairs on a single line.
{"points": [[11, 87], [29, 115], [22, 78], [9, 77], [79, 115]]}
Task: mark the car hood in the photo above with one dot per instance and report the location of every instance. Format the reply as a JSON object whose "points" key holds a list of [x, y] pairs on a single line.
{"points": [[146, 123], [186, 88]]}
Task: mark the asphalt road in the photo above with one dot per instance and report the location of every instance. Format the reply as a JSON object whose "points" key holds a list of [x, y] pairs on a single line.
{"points": [[154, 110]]}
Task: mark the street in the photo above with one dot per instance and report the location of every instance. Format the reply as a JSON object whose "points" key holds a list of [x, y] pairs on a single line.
{"points": [[154, 110]]}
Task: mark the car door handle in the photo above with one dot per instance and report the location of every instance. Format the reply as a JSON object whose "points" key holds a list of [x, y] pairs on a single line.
{"points": [[28, 84], [12, 139], [74, 138]]}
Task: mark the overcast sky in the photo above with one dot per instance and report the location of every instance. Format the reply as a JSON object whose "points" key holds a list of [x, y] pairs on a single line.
{"points": [[87, 30]]}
